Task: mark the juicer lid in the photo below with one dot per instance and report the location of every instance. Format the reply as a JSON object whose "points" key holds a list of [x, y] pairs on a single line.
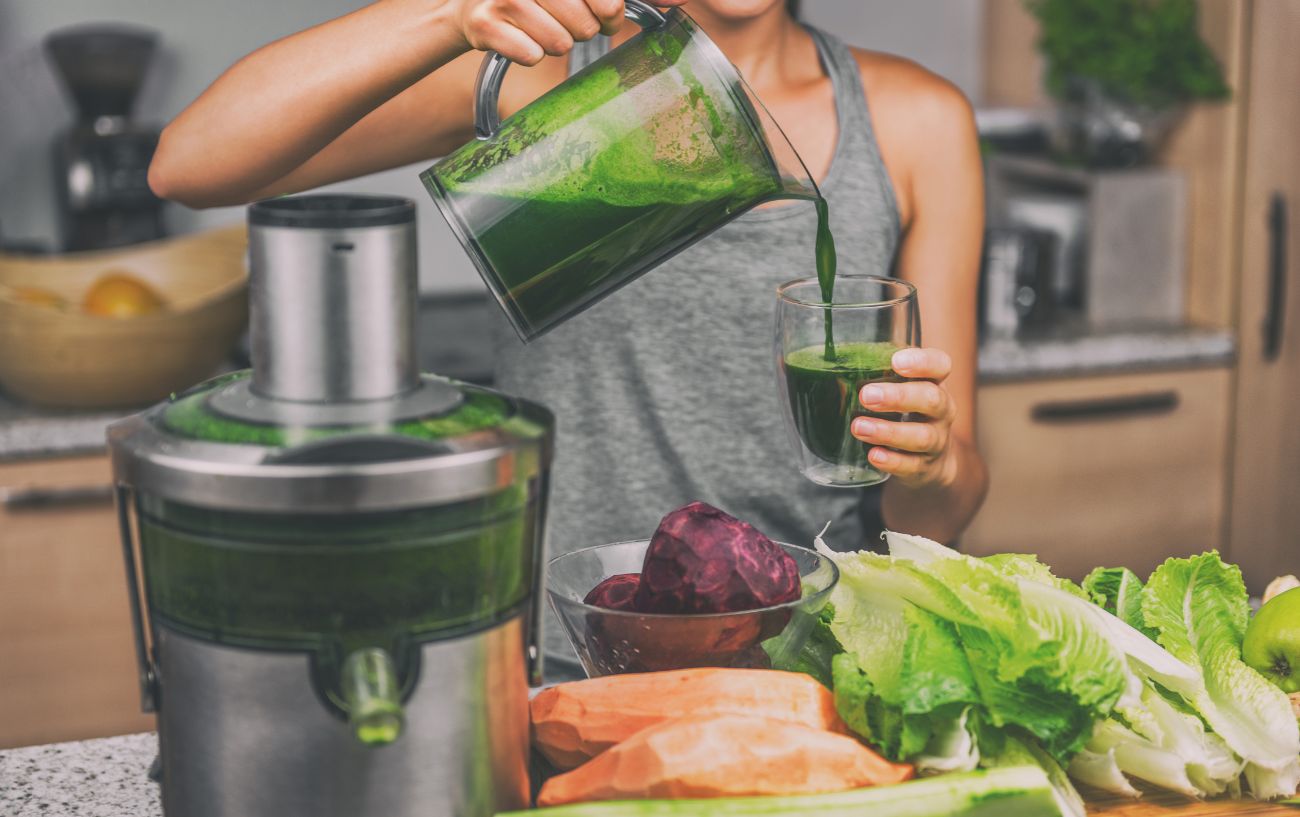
{"points": [[191, 450], [334, 417]]}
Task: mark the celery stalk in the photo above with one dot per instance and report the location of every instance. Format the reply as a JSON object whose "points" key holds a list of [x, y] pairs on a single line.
{"points": [[1013, 791]]}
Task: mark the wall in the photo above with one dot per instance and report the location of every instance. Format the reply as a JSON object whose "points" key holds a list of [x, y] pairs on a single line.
{"points": [[200, 39], [942, 35]]}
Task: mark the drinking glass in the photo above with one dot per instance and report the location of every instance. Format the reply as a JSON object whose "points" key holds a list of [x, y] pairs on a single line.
{"points": [[826, 353]]}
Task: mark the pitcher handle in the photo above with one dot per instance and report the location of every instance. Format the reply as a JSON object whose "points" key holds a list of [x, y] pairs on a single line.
{"points": [[487, 91]]}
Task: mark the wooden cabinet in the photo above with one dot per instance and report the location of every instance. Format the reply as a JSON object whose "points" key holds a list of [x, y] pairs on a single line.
{"points": [[1121, 470], [67, 662], [1265, 508]]}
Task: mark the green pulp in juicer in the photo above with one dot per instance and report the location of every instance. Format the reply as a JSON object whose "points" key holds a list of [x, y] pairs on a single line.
{"points": [[306, 582], [188, 415], [823, 395]]}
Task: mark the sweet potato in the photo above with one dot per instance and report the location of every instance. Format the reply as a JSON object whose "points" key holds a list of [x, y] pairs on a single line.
{"points": [[723, 756], [576, 721]]}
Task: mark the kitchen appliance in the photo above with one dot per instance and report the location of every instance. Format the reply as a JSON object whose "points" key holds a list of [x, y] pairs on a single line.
{"points": [[1121, 236], [1063, 214], [101, 162], [1016, 280], [617, 169], [336, 582]]}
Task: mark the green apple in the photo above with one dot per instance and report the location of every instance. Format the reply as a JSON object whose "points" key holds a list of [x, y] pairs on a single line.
{"points": [[1272, 643]]}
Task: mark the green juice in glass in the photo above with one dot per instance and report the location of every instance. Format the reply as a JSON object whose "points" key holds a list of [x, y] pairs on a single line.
{"points": [[823, 395]]}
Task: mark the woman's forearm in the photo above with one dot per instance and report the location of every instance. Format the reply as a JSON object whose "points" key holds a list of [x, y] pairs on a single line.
{"points": [[283, 103], [939, 511]]}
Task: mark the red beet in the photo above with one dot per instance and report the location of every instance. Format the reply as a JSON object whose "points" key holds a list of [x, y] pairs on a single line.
{"points": [[615, 593], [703, 560]]}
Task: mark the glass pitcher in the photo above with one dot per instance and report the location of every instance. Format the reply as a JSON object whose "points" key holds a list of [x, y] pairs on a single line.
{"points": [[627, 163]]}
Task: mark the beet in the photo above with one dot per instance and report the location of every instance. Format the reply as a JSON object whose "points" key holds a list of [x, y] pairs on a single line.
{"points": [[615, 593], [703, 560]]}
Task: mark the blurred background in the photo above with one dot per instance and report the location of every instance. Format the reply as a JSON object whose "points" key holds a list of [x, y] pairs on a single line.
{"points": [[1139, 345]]}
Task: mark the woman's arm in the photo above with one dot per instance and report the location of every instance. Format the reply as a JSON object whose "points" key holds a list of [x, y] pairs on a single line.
{"points": [[355, 95], [927, 133]]}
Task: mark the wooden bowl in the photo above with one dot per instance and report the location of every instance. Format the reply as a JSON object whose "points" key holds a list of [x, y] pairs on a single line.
{"points": [[64, 357]]}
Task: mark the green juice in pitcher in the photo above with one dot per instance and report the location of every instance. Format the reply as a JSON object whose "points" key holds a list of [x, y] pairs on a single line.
{"points": [[627, 163], [551, 271], [823, 395]]}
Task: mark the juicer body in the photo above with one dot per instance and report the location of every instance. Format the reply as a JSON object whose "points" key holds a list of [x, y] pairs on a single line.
{"points": [[242, 735], [334, 561]]}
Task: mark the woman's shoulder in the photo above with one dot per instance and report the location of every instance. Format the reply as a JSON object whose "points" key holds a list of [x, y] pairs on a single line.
{"points": [[900, 87], [920, 120]]}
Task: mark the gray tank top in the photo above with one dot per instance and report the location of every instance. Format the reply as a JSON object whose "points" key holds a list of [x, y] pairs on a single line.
{"points": [[665, 392]]}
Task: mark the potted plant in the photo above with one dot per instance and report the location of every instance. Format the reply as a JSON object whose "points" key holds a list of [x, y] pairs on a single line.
{"points": [[1124, 72]]}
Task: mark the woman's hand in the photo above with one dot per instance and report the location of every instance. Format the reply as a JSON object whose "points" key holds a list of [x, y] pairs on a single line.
{"points": [[917, 452], [525, 31]]}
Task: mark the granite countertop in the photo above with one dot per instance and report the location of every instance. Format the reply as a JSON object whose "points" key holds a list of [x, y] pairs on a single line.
{"points": [[1073, 351], [455, 339], [107, 777]]}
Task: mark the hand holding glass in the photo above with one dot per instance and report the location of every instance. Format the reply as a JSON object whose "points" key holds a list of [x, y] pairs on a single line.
{"points": [[869, 318]]}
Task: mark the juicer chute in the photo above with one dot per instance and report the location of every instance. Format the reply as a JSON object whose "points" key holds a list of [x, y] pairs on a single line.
{"points": [[338, 559]]}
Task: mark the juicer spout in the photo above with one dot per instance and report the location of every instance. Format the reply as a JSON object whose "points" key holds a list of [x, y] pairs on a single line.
{"points": [[372, 696]]}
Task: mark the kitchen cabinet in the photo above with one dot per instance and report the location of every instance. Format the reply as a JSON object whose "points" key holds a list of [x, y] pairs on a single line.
{"points": [[1265, 506], [67, 664], [1117, 470]]}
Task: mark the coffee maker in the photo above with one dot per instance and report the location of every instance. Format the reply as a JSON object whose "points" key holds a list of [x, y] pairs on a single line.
{"points": [[101, 162], [336, 583]]}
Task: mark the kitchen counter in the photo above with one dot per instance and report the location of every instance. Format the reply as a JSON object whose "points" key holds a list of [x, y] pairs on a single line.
{"points": [[108, 777], [1073, 351], [455, 339], [90, 778]]}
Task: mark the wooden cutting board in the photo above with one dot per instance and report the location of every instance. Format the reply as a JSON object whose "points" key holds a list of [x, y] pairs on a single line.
{"points": [[1168, 804]]}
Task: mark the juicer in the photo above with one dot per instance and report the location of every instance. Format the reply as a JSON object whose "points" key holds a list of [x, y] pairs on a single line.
{"points": [[334, 561]]}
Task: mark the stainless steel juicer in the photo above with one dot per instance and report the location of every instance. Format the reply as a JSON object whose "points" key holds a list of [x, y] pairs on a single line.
{"points": [[335, 561]]}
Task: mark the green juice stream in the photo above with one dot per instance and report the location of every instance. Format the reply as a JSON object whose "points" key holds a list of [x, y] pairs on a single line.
{"points": [[825, 255]]}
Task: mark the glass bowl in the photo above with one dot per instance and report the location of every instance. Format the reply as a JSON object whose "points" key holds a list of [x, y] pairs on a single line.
{"points": [[610, 642]]}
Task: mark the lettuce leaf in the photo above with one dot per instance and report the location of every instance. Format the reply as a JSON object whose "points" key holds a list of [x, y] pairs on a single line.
{"points": [[1118, 591], [1157, 740], [1024, 660], [1027, 566], [1199, 609], [903, 681]]}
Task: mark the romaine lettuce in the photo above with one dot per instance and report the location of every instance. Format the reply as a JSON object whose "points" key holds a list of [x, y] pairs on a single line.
{"points": [[1199, 610]]}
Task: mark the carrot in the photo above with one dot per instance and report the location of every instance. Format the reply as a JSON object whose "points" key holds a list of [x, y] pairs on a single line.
{"points": [[576, 721], [723, 756]]}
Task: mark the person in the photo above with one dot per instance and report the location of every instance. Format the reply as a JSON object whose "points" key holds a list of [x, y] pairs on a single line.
{"points": [[665, 391]]}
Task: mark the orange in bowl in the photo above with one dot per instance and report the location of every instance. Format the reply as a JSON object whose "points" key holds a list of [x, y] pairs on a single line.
{"points": [[119, 294]]}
